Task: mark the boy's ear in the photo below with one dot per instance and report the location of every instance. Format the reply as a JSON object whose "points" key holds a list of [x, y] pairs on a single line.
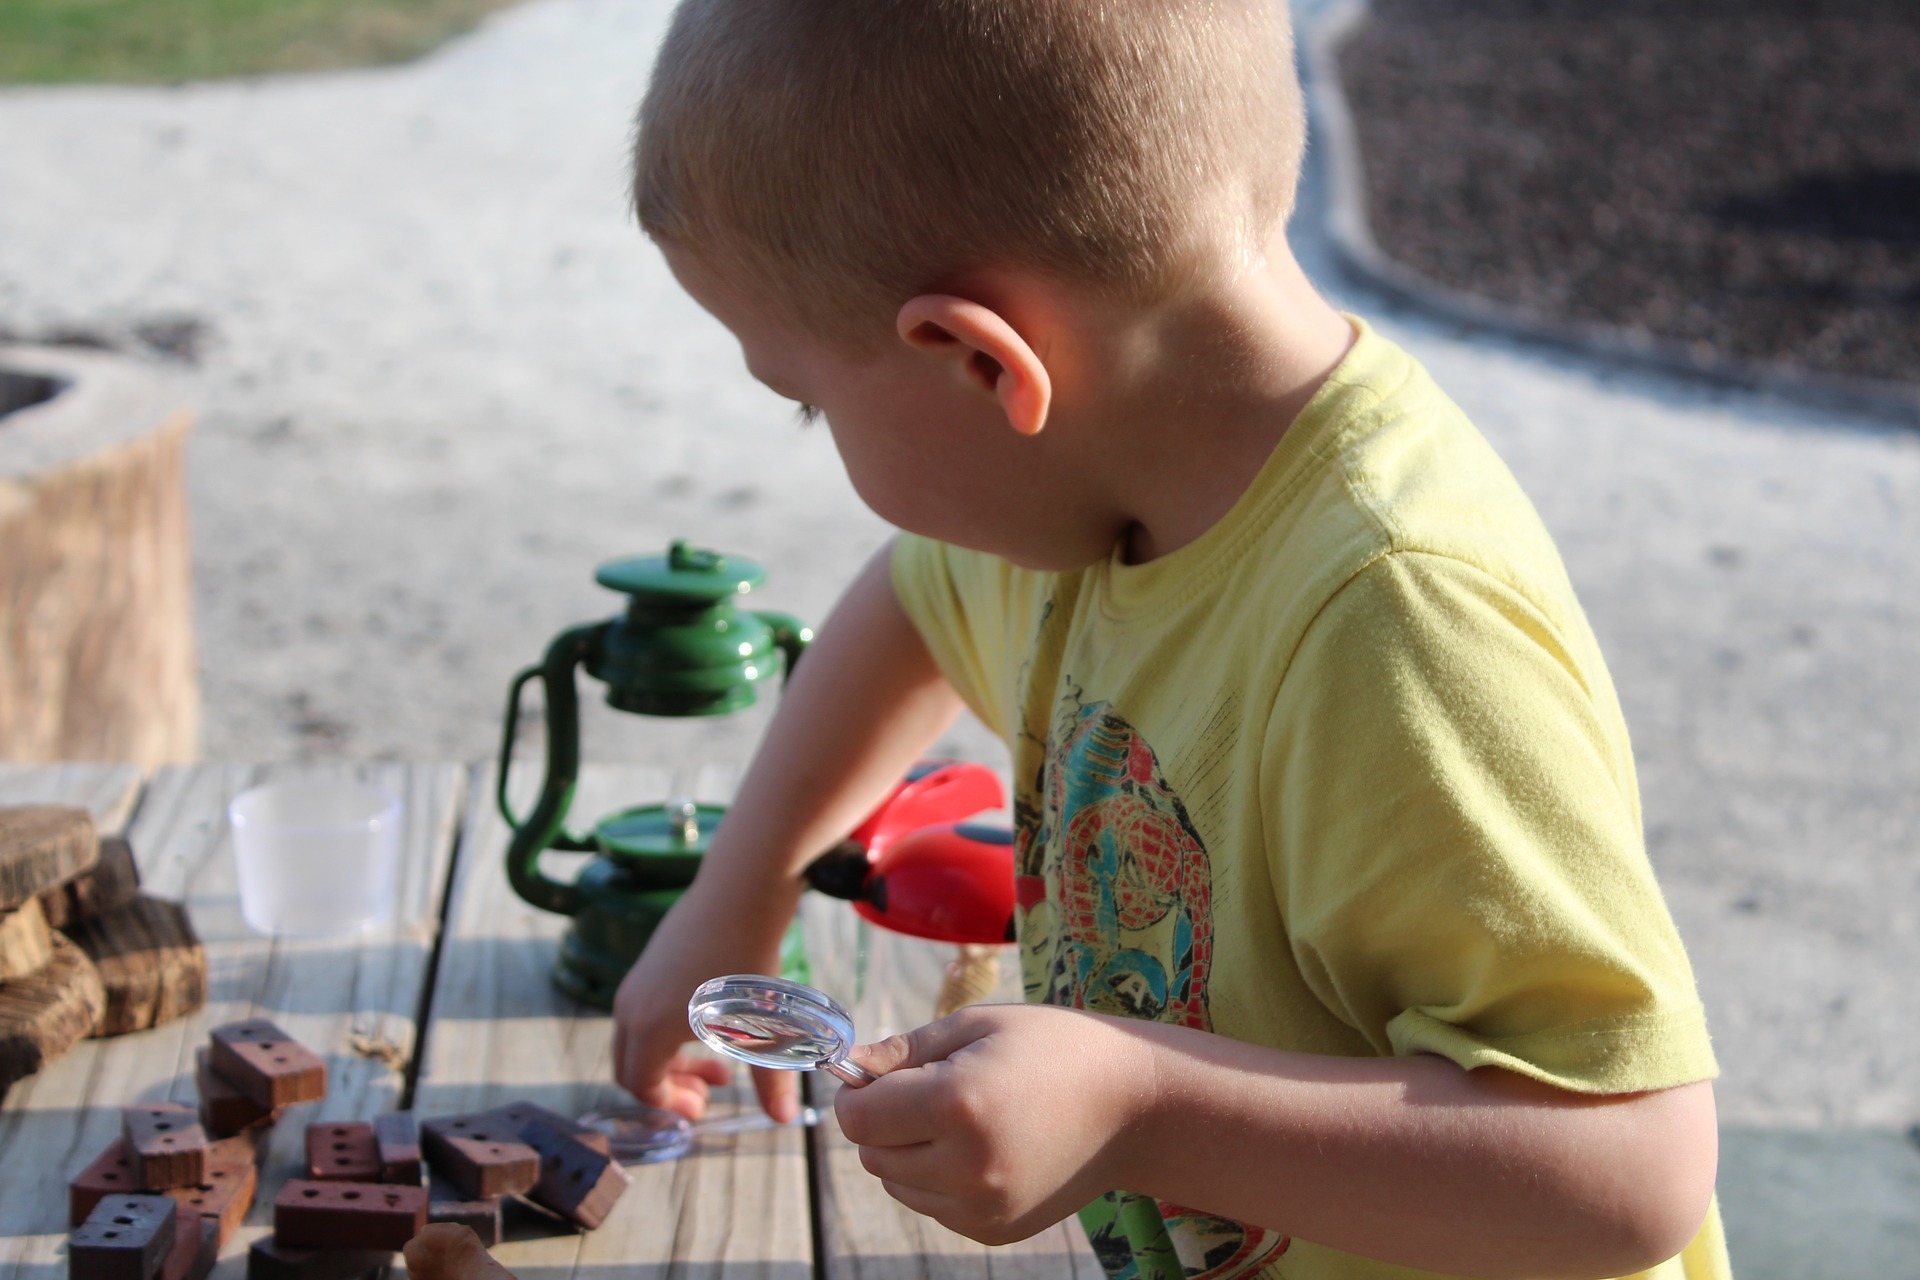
{"points": [[984, 352]]}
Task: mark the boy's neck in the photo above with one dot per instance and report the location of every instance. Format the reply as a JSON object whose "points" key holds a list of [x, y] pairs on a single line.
{"points": [[1190, 399]]}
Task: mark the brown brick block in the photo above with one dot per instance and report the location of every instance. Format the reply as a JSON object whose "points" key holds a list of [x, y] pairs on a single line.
{"points": [[480, 1155], [447, 1203], [196, 1248], [576, 1182], [224, 1110], [168, 1143], [110, 1174], [226, 1193], [342, 1151], [266, 1064], [348, 1215], [268, 1259], [399, 1141], [516, 1115], [124, 1238]]}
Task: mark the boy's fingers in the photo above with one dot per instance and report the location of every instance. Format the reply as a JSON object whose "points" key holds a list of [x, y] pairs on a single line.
{"points": [[448, 1251], [779, 1093], [894, 1111]]}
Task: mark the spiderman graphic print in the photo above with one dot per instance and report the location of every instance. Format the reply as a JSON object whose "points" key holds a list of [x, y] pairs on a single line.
{"points": [[1115, 889]]}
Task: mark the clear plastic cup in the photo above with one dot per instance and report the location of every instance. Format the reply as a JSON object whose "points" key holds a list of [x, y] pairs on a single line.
{"points": [[315, 857]]}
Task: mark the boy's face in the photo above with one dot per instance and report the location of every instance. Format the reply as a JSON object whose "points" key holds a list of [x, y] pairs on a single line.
{"points": [[926, 452]]}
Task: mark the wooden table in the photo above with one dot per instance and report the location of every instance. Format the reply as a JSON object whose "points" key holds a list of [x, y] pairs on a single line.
{"points": [[449, 1008]]}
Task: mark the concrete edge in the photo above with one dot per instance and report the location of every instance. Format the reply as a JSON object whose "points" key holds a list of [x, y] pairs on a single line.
{"points": [[1351, 233]]}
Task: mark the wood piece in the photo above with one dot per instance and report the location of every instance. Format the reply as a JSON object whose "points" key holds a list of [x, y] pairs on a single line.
{"points": [[112, 882], [26, 943], [370, 983], [268, 1259], [97, 654], [196, 1248], [225, 1193], [516, 1115], [478, 1153], [224, 1110], [169, 1147], [343, 1151], [501, 1032], [268, 1065], [110, 1174], [348, 1215], [447, 1203], [576, 1182], [42, 846], [398, 1139], [124, 1238], [43, 1016], [150, 962]]}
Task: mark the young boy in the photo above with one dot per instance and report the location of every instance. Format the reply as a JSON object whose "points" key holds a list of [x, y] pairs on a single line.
{"points": [[1344, 953]]}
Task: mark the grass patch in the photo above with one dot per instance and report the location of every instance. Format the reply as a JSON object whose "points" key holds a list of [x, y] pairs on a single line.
{"points": [[161, 41]]}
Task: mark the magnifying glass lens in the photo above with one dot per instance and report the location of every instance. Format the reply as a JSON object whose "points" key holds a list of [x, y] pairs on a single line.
{"points": [[772, 1022]]}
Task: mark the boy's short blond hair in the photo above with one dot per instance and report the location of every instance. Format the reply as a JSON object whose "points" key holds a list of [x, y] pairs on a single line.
{"points": [[849, 154]]}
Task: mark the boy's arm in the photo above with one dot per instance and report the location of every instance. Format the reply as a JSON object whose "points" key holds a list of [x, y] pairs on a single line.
{"points": [[862, 705], [1409, 1160]]}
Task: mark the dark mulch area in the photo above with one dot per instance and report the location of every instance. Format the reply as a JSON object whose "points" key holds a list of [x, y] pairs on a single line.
{"points": [[1738, 179]]}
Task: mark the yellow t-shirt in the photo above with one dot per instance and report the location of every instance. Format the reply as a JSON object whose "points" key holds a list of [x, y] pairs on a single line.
{"points": [[1345, 775]]}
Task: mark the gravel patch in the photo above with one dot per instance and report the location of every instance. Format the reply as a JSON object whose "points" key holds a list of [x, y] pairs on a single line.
{"points": [[1738, 181]]}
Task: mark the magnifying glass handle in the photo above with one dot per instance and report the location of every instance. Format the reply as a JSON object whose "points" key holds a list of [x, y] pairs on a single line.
{"points": [[848, 1073]]}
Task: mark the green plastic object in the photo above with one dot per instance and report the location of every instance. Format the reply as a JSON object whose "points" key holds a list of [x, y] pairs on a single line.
{"points": [[683, 647]]}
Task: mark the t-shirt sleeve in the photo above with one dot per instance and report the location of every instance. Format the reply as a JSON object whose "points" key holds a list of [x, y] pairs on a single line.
{"points": [[958, 601], [1455, 842]]}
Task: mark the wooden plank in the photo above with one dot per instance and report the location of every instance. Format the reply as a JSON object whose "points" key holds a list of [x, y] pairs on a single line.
{"points": [[108, 791], [352, 999], [500, 1032], [891, 983]]}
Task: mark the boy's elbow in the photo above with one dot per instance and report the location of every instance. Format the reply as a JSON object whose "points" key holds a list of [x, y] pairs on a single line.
{"points": [[1660, 1185]]}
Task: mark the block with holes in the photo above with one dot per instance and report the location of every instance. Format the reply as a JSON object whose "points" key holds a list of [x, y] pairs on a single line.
{"points": [[266, 1064], [343, 1151], [226, 1192], [169, 1146], [124, 1238], [268, 1259], [576, 1181], [348, 1215], [399, 1142], [224, 1110], [480, 1155]]}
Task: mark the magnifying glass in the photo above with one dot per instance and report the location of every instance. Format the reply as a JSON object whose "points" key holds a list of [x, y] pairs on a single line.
{"points": [[772, 1022]]}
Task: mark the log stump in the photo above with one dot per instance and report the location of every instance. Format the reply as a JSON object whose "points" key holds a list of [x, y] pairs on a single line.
{"points": [[97, 655]]}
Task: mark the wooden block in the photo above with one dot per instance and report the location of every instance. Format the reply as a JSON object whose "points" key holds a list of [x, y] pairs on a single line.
{"points": [[110, 1174], [226, 1193], [266, 1064], [447, 1203], [169, 1147], [26, 941], [224, 1110], [518, 1114], [480, 1155], [348, 1215], [399, 1142], [42, 1016], [150, 962], [343, 1151], [124, 1238], [268, 1259], [576, 1182], [42, 846], [196, 1248], [111, 883]]}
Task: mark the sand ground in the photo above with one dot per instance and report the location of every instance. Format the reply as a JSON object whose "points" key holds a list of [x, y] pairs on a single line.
{"points": [[441, 377]]}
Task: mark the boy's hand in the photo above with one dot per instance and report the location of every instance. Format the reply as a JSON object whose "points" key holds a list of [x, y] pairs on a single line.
{"points": [[707, 933], [1000, 1120], [448, 1251]]}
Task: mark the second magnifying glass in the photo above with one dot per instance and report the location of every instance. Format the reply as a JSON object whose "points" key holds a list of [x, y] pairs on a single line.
{"points": [[771, 1022]]}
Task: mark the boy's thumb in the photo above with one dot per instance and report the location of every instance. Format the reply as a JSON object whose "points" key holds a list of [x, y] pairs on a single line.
{"points": [[934, 1042]]}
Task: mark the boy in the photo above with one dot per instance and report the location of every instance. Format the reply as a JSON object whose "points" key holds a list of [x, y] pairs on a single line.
{"points": [[1334, 912]]}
